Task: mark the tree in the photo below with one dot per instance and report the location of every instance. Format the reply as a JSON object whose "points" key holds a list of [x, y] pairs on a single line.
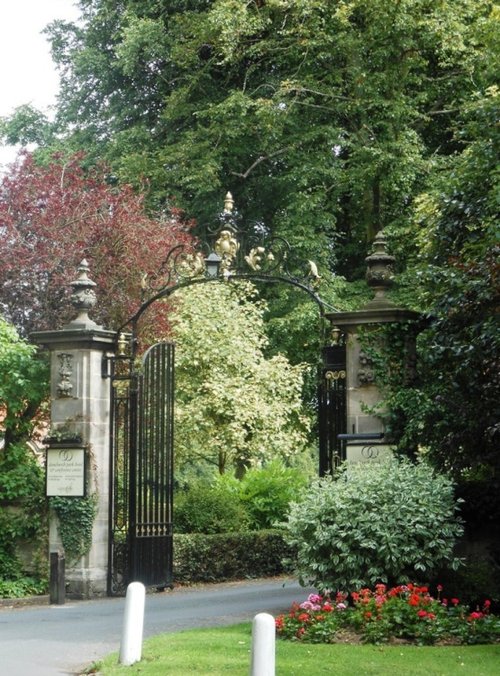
{"points": [[234, 407], [23, 386], [454, 412], [323, 118], [54, 216]]}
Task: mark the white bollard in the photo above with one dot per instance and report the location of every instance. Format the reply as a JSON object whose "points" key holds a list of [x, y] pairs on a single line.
{"points": [[133, 622], [263, 645]]}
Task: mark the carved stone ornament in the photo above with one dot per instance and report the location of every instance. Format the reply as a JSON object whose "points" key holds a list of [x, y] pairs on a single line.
{"points": [[379, 271], [366, 374], [65, 386], [83, 297]]}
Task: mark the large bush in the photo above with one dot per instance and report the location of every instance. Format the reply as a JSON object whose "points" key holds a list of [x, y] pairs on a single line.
{"points": [[375, 522], [210, 507], [268, 491]]}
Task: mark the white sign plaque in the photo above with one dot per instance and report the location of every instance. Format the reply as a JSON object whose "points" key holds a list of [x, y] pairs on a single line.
{"points": [[66, 471]]}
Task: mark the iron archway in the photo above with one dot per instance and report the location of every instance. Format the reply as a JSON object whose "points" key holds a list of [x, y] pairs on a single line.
{"points": [[141, 471]]}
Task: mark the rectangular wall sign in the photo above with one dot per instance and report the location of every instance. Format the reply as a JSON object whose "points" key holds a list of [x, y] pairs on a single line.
{"points": [[66, 471]]}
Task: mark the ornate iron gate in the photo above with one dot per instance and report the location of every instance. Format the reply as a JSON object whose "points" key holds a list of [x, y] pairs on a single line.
{"points": [[141, 472], [332, 407]]}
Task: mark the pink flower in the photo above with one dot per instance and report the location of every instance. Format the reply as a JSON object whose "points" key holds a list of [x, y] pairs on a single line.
{"points": [[307, 605], [341, 606]]}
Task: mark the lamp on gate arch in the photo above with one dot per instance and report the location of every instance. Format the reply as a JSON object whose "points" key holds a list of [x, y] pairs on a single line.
{"points": [[212, 263]]}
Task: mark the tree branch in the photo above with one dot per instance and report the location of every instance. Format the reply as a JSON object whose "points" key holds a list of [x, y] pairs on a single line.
{"points": [[261, 158]]}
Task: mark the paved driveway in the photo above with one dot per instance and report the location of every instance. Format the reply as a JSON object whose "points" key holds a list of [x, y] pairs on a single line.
{"points": [[54, 640]]}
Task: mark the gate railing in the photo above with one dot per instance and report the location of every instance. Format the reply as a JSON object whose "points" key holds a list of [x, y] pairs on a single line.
{"points": [[332, 403], [141, 470]]}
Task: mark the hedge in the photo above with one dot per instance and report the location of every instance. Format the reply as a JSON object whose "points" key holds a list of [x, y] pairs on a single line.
{"points": [[229, 556]]}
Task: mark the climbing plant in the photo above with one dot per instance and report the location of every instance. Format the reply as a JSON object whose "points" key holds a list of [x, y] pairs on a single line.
{"points": [[76, 519]]}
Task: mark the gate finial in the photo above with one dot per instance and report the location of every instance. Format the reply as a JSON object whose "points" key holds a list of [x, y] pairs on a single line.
{"points": [[83, 297], [228, 203]]}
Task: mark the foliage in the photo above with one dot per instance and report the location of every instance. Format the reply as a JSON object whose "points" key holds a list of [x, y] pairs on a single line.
{"points": [[75, 522], [406, 612], [234, 407], [325, 117], [452, 411], [21, 587], [229, 556], [268, 491], [23, 385], [52, 217], [375, 522], [22, 518], [209, 507]]}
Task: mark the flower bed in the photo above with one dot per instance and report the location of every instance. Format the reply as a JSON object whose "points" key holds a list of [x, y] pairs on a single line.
{"points": [[403, 613]]}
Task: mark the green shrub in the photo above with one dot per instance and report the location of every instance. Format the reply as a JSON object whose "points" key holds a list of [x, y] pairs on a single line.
{"points": [[22, 518], [267, 493], [209, 508], [376, 522], [229, 556]]}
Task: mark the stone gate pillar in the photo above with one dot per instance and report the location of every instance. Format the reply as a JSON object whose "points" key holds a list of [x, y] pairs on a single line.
{"points": [[363, 392], [80, 416]]}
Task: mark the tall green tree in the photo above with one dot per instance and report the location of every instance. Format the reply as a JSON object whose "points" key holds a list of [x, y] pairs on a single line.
{"points": [[321, 116]]}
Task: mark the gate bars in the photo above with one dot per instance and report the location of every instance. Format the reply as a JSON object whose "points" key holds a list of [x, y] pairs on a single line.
{"points": [[141, 472]]}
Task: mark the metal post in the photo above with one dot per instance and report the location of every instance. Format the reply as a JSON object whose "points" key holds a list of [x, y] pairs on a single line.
{"points": [[57, 584]]}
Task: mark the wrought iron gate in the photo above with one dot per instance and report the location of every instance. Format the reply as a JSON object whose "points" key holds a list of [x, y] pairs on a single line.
{"points": [[332, 407], [141, 472]]}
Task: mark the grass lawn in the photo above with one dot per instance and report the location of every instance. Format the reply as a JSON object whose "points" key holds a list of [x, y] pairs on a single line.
{"points": [[210, 652]]}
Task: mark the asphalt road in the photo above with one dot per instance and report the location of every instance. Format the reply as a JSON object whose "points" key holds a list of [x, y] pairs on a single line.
{"points": [[54, 640]]}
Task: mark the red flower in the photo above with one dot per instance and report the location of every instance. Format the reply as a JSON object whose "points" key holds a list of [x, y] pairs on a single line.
{"points": [[368, 615], [422, 613], [414, 600], [303, 617], [280, 622], [455, 602], [327, 608], [439, 588], [475, 616]]}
